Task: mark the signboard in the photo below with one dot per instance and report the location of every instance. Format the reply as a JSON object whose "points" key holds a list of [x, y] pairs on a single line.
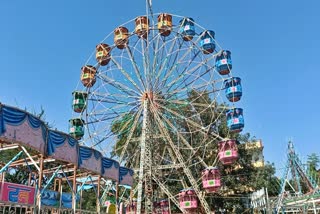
{"points": [[17, 193], [258, 198]]}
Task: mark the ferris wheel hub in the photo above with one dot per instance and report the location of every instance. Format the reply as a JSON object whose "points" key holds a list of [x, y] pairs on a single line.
{"points": [[147, 95]]}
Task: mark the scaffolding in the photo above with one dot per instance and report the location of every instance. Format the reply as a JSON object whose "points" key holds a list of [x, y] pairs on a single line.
{"points": [[55, 166]]}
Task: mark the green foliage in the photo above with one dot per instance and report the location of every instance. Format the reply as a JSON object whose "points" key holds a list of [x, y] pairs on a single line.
{"points": [[7, 155], [239, 179], [313, 161], [89, 200], [122, 127], [19, 174]]}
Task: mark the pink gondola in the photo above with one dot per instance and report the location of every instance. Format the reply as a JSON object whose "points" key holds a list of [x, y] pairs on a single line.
{"points": [[188, 200], [211, 180], [228, 152]]}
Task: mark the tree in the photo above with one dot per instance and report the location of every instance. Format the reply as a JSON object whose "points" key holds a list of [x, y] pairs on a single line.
{"points": [[237, 180], [313, 162]]}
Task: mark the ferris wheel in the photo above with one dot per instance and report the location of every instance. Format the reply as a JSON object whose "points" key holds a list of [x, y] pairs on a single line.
{"points": [[153, 95]]}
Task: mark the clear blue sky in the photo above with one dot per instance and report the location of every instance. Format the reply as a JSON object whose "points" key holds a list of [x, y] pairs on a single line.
{"points": [[275, 49]]}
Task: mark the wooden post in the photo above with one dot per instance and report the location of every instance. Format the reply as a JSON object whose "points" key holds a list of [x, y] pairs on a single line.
{"points": [[40, 173], [80, 200], [3, 176], [60, 191], [131, 194], [117, 196], [55, 185], [29, 179], [314, 206], [74, 187], [98, 195]]}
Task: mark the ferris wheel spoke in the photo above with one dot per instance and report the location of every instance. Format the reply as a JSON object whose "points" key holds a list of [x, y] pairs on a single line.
{"points": [[192, 123], [134, 159], [173, 160], [119, 103], [189, 123], [180, 74], [119, 86], [209, 105], [173, 64], [114, 98], [168, 193], [190, 48], [180, 158], [131, 132], [182, 92], [189, 73], [180, 60], [170, 55], [165, 61], [173, 127], [188, 87], [145, 58], [107, 116], [107, 136], [155, 59], [135, 66], [114, 101], [98, 131], [116, 109], [193, 111], [124, 72], [195, 78], [94, 135], [103, 119]]}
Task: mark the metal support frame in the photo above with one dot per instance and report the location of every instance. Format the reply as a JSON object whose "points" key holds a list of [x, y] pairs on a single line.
{"points": [[186, 170], [74, 187], [145, 164], [8, 164], [170, 196], [298, 172]]}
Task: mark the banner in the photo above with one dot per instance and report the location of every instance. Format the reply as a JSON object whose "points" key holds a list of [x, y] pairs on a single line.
{"points": [[17, 193], [258, 198], [50, 198]]}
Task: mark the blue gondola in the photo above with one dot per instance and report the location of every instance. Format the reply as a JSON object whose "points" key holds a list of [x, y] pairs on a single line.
{"points": [[233, 89], [235, 121], [207, 42], [224, 63], [187, 29]]}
